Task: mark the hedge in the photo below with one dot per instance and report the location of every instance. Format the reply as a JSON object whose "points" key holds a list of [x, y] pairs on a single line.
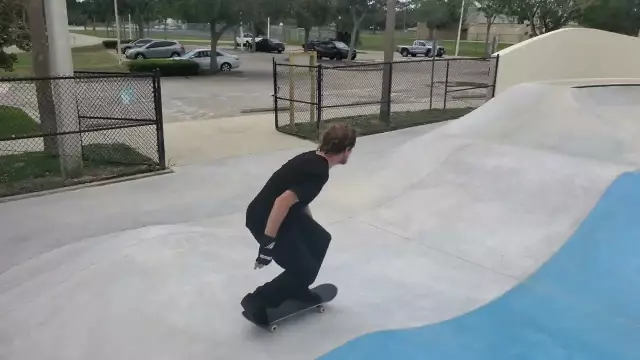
{"points": [[167, 67], [112, 44]]}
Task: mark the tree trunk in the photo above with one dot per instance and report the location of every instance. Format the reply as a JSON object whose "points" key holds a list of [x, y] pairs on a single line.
{"points": [[93, 24], [140, 26], [307, 31], [487, 42], [356, 26], [215, 37], [40, 54], [253, 36], [165, 28]]}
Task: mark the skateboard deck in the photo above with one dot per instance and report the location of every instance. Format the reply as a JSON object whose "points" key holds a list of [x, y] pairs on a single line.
{"points": [[291, 307]]}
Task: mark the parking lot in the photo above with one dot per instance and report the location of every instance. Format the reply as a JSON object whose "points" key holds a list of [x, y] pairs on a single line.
{"points": [[250, 87], [247, 88]]}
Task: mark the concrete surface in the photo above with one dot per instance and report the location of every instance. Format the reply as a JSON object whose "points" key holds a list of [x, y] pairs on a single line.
{"points": [[192, 142], [574, 57], [582, 303], [428, 224]]}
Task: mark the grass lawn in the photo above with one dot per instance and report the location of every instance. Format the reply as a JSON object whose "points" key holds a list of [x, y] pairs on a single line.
{"points": [[94, 57], [370, 124], [16, 122], [24, 172], [37, 171], [368, 42]]}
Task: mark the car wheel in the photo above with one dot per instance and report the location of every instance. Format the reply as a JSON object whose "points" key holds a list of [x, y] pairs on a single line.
{"points": [[225, 67], [175, 55], [339, 57], [279, 51], [405, 52], [140, 57]]}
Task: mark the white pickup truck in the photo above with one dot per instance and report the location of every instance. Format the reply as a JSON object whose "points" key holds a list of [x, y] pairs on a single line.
{"points": [[420, 47], [245, 40]]}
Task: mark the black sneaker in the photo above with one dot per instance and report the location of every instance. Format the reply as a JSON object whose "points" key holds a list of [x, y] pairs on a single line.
{"points": [[254, 308]]}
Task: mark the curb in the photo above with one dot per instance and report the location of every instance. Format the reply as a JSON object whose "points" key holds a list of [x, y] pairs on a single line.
{"points": [[82, 186], [260, 110]]}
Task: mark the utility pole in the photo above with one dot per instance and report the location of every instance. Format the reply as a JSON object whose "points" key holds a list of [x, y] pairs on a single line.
{"points": [[39, 53], [460, 27], [389, 49], [64, 92]]}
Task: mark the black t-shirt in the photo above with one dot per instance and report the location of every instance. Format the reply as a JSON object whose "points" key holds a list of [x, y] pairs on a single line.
{"points": [[305, 175]]}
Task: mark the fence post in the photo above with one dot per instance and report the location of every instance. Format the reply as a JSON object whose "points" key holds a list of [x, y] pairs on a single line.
{"points": [[157, 101], [275, 92], [446, 86], [433, 70], [319, 99]]}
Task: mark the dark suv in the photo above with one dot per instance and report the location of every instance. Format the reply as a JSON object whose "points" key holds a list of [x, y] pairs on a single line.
{"points": [[331, 49]]}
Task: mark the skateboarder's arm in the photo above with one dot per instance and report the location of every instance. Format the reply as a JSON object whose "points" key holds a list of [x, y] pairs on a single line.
{"points": [[280, 209]]}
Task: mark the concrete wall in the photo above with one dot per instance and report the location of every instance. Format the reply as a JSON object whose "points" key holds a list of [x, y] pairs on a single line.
{"points": [[571, 53], [507, 33]]}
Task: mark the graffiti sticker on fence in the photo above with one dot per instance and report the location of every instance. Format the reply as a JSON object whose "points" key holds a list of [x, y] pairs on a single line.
{"points": [[127, 95]]}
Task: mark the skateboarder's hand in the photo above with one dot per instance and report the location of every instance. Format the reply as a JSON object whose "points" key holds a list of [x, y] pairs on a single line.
{"points": [[265, 253]]}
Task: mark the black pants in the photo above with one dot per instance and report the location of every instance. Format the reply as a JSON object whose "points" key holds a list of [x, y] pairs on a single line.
{"points": [[300, 248]]}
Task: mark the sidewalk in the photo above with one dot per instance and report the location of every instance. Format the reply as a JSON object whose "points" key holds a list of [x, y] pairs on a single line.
{"points": [[202, 141]]}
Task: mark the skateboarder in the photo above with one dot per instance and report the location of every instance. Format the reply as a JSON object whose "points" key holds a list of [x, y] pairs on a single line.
{"points": [[280, 220]]}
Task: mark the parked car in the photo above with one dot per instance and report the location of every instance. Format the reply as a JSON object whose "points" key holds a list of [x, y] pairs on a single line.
{"points": [[202, 56], [156, 49], [246, 39], [311, 45], [269, 45], [333, 49], [420, 47], [134, 44]]}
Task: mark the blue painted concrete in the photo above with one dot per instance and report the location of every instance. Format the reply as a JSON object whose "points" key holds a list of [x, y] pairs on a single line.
{"points": [[584, 303]]}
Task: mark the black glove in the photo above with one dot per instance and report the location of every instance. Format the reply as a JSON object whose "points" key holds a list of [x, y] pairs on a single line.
{"points": [[265, 253]]}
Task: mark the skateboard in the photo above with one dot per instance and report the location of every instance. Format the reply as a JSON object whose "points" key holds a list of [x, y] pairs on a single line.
{"points": [[292, 307]]}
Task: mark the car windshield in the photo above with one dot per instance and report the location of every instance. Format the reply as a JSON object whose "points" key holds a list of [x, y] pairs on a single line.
{"points": [[341, 45]]}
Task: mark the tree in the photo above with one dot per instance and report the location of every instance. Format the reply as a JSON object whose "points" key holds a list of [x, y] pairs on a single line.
{"points": [[13, 32], [491, 9], [543, 16], [310, 13], [619, 16], [219, 14], [357, 10], [438, 14]]}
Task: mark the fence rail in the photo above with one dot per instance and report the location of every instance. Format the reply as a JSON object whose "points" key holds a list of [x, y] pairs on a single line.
{"points": [[307, 98], [109, 123]]}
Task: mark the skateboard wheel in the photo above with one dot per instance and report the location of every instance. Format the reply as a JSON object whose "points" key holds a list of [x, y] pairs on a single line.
{"points": [[273, 328], [320, 308]]}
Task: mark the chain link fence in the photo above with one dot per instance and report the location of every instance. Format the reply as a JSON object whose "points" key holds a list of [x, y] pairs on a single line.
{"points": [[308, 98], [63, 131]]}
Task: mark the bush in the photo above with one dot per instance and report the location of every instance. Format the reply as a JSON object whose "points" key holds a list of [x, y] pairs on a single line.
{"points": [[167, 67], [112, 44]]}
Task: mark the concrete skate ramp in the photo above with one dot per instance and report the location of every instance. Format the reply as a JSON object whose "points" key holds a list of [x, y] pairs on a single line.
{"points": [[430, 225]]}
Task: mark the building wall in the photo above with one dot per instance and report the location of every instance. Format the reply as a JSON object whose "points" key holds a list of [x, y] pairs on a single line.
{"points": [[507, 33], [570, 53]]}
